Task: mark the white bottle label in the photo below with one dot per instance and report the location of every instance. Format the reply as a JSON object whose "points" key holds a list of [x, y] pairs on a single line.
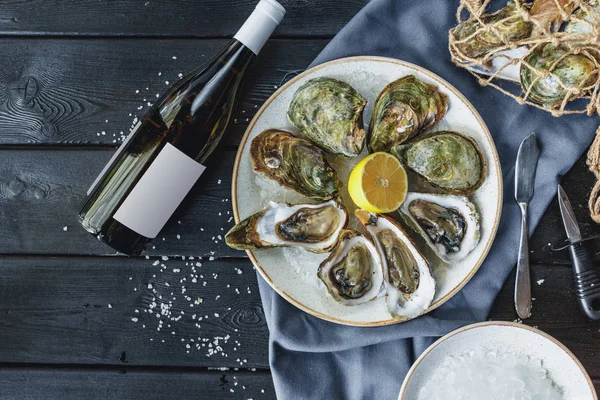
{"points": [[159, 192]]}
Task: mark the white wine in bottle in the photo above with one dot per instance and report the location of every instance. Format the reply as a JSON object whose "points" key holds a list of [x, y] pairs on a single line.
{"points": [[165, 154]]}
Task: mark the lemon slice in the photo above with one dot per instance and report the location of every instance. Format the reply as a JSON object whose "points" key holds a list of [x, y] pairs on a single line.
{"points": [[378, 183]]}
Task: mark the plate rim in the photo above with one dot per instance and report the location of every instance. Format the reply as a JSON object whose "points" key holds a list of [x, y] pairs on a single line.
{"points": [[495, 323], [438, 80]]}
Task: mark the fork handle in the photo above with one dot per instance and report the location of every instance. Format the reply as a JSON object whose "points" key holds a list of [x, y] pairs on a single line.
{"points": [[523, 282]]}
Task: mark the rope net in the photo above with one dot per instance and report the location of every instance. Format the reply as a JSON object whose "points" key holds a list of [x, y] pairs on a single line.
{"points": [[543, 53]]}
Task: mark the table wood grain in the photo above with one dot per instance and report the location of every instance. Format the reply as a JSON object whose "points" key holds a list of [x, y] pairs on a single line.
{"points": [[186, 320]]}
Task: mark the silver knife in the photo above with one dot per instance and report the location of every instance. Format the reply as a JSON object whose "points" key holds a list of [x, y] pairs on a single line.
{"points": [[527, 159], [587, 276]]}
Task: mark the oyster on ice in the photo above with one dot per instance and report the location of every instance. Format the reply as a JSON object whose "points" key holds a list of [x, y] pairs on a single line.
{"points": [[410, 288], [329, 112], [448, 160], [449, 224], [402, 110], [353, 273], [313, 227], [569, 72], [294, 163]]}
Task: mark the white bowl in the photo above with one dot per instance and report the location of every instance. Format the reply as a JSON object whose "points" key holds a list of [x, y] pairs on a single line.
{"points": [[562, 366], [293, 273]]}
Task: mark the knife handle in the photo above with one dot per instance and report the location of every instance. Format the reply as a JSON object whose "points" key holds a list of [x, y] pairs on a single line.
{"points": [[587, 280], [523, 283]]}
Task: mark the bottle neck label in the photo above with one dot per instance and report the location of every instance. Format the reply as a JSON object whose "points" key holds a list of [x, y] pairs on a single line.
{"points": [[159, 192], [260, 25]]}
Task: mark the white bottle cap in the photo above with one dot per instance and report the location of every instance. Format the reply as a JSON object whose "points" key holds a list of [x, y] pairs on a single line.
{"points": [[260, 25]]}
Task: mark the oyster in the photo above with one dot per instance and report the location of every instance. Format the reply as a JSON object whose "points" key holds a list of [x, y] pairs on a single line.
{"points": [[410, 288], [294, 163], [313, 227], [569, 72], [353, 273], [584, 20], [329, 112], [449, 224], [403, 109], [474, 40], [448, 160]]}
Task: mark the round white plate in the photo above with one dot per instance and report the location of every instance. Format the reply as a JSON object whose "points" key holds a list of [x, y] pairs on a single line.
{"points": [[293, 272], [562, 366]]}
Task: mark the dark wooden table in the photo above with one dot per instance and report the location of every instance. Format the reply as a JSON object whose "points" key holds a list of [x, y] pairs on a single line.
{"points": [[78, 321]]}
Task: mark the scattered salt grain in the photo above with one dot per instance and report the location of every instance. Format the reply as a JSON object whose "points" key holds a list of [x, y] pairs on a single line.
{"points": [[134, 319], [174, 57], [65, 228], [109, 305], [539, 282]]}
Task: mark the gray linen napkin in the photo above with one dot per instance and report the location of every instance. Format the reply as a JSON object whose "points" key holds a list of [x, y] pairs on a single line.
{"points": [[315, 359]]}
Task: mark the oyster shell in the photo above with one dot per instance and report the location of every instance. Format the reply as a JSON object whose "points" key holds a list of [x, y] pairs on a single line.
{"points": [[509, 26], [402, 110], [329, 112], [572, 70], [448, 224], [584, 20], [313, 227], [353, 273], [448, 160], [294, 163], [410, 288]]}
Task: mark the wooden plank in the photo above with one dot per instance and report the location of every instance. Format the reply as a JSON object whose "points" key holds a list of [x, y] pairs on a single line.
{"points": [[127, 312], [74, 92], [77, 384], [578, 183], [187, 18], [41, 192], [555, 311]]}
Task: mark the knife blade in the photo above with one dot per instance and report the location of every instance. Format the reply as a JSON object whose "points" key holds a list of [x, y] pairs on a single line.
{"points": [[585, 273], [568, 216], [525, 168]]}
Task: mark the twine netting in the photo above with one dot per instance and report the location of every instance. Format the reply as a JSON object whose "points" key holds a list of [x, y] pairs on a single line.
{"points": [[593, 162], [543, 53]]}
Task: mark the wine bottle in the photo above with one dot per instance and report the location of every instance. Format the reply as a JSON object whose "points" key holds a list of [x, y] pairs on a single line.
{"points": [[166, 152]]}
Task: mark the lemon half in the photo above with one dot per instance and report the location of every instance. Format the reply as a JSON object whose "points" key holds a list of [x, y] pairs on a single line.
{"points": [[378, 183]]}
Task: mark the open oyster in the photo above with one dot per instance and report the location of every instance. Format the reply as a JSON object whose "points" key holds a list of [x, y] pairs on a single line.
{"points": [[448, 160], [329, 112], [403, 109], [410, 288], [353, 273], [570, 74], [313, 227], [294, 163], [476, 41], [449, 224]]}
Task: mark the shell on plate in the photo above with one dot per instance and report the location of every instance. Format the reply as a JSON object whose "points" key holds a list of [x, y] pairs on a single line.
{"points": [[402, 110], [313, 227], [448, 160], [410, 287], [329, 112], [353, 272], [568, 74], [294, 163], [449, 224]]}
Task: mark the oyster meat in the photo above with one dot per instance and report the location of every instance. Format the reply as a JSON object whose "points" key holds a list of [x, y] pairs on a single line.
{"points": [[403, 109], [353, 273], [448, 160], [410, 288], [568, 72], [329, 112], [448, 224], [313, 227], [476, 41], [294, 163]]}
